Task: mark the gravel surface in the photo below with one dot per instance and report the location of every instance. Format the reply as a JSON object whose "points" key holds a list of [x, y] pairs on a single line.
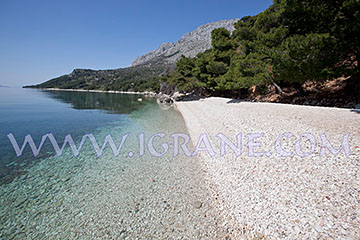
{"points": [[275, 197]]}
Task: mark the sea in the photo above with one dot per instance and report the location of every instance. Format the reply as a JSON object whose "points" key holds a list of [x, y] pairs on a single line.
{"points": [[95, 193]]}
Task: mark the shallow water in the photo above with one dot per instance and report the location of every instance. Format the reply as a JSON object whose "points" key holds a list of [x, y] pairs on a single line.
{"points": [[88, 197], [35, 112]]}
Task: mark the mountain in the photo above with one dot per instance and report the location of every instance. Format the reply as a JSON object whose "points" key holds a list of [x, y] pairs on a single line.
{"points": [[139, 78], [188, 45], [145, 71]]}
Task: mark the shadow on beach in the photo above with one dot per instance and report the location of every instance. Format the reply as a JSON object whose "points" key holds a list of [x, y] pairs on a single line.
{"points": [[193, 98], [237, 101]]}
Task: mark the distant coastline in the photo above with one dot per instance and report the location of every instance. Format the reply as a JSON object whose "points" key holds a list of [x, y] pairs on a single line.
{"points": [[150, 94]]}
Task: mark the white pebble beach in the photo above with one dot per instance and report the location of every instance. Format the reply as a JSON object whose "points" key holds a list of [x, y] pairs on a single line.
{"points": [[275, 197]]}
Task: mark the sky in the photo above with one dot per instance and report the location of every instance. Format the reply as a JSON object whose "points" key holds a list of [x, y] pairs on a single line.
{"points": [[40, 40]]}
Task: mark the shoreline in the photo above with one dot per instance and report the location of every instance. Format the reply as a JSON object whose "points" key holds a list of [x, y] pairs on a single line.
{"points": [[111, 197], [276, 197], [150, 94], [168, 98]]}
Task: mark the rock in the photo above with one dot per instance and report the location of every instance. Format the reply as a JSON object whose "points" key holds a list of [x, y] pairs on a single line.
{"points": [[165, 99], [274, 98], [314, 102], [260, 236], [255, 91], [197, 204], [178, 96], [166, 88], [318, 228], [258, 98], [188, 45], [149, 94]]}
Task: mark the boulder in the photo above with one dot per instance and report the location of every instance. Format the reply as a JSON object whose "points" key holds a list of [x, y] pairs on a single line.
{"points": [[166, 88], [165, 99], [177, 96]]}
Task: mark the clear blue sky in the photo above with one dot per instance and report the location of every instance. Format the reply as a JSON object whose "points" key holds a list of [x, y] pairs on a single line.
{"points": [[40, 40]]}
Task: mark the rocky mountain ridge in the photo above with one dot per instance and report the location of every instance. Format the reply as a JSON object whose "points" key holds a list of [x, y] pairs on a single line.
{"points": [[144, 72], [188, 45]]}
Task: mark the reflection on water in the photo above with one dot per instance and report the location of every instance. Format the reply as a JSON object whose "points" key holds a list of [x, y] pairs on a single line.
{"points": [[89, 197], [113, 103], [37, 112]]}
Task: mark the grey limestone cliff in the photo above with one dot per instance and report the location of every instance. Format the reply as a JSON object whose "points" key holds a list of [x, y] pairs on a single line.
{"points": [[141, 75], [189, 45]]}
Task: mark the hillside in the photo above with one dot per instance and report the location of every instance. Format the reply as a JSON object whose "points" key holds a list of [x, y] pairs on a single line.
{"points": [[294, 51], [138, 78], [188, 45], [144, 73]]}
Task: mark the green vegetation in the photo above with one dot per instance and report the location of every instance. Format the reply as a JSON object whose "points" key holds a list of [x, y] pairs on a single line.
{"points": [[140, 78], [289, 43]]}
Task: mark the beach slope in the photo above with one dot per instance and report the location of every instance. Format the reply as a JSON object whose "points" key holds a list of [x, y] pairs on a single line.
{"points": [[273, 196]]}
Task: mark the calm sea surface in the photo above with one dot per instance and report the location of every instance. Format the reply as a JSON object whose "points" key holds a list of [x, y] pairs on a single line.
{"points": [[38, 112], [90, 197]]}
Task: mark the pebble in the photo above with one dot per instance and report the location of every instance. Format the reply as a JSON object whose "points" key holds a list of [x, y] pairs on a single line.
{"points": [[198, 204], [305, 198]]}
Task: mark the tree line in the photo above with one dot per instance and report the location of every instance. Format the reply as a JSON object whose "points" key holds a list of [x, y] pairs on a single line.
{"points": [[289, 43]]}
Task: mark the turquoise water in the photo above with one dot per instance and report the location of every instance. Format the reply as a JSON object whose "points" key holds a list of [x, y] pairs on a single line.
{"points": [[90, 197], [35, 112]]}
